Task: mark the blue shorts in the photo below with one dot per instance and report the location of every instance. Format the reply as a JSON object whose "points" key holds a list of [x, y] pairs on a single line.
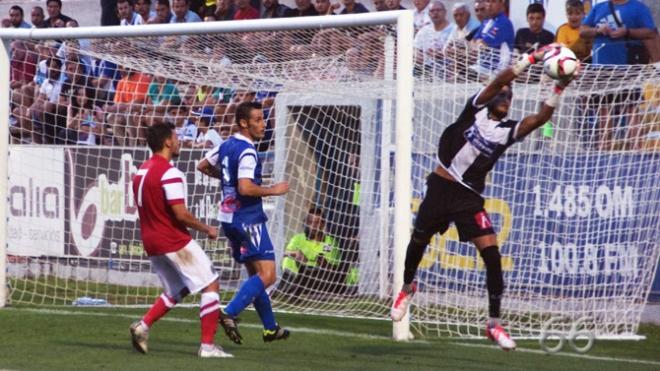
{"points": [[249, 242]]}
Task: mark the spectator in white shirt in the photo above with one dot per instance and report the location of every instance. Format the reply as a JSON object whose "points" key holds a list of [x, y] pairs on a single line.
{"points": [[207, 136], [127, 16], [432, 38], [79, 46], [421, 13], [465, 22], [52, 86]]}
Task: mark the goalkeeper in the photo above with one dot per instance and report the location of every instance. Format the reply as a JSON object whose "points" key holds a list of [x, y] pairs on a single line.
{"points": [[467, 151]]}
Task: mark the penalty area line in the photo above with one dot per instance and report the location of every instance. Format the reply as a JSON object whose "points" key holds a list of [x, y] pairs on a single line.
{"points": [[306, 330], [571, 355]]}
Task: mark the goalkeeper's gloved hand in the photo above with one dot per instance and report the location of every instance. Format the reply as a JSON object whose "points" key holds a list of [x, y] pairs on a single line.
{"points": [[527, 60], [562, 83], [540, 53]]}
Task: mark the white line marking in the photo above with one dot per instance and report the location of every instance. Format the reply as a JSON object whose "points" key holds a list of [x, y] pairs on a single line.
{"points": [[185, 320], [572, 355]]}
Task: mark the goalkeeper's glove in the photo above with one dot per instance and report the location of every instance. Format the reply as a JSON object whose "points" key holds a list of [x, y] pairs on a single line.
{"points": [[527, 60], [558, 88], [540, 53], [563, 82]]}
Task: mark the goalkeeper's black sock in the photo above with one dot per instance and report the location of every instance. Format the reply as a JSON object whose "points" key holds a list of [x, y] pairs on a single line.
{"points": [[414, 255], [494, 281]]}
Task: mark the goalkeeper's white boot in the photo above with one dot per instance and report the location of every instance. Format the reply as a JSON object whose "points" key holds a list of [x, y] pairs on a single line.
{"points": [[496, 333], [139, 336], [213, 351], [402, 302]]}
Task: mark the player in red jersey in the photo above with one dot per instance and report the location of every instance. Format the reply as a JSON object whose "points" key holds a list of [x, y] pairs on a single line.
{"points": [[179, 261]]}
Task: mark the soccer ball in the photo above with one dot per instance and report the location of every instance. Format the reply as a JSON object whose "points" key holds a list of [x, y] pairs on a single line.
{"points": [[560, 62]]}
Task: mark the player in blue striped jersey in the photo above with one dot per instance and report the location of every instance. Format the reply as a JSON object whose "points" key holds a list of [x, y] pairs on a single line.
{"points": [[236, 164]]}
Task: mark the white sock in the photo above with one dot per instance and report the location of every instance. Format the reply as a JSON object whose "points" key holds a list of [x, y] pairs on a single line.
{"points": [[492, 322]]}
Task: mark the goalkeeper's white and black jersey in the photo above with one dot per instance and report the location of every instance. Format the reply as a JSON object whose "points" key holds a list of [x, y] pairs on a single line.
{"points": [[470, 146]]}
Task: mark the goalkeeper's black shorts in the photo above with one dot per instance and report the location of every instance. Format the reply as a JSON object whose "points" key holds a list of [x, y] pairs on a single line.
{"points": [[446, 202]]}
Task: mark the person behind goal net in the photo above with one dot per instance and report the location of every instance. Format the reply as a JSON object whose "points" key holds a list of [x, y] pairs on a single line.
{"points": [[467, 151]]}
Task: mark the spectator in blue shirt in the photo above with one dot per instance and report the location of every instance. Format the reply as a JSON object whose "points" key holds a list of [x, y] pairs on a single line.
{"points": [[612, 42], [481, 13], [495, 38], [16, 17], [105, 80], [617, 27], [182, 13]]}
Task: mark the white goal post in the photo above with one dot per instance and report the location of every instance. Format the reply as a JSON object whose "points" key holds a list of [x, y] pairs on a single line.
{"points": [[576, 205], [4, 151]]}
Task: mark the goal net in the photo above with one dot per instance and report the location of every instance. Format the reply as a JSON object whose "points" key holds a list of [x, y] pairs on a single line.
{"points": [[575, 205], [77, 136]]}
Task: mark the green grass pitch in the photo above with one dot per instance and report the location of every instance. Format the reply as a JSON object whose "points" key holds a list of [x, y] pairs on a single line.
{"points": [[73, 338]]}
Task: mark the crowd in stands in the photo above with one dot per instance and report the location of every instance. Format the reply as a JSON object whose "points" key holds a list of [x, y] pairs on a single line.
{"points": [[114, 105]]}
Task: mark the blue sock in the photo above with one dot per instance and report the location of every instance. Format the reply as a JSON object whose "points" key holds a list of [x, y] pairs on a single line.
{"points": [[265, 310], [246, 295]]}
